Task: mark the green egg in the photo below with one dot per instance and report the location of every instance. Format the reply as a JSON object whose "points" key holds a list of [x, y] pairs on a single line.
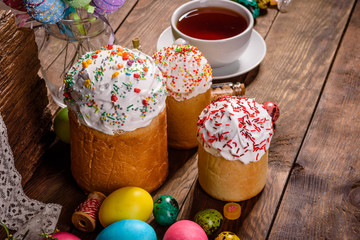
{"points": [[166, 210], [209, 219], [61, 125]]}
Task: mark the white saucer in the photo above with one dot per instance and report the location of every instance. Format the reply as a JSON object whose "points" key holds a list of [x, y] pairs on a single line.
{"points": [[251, 58]]}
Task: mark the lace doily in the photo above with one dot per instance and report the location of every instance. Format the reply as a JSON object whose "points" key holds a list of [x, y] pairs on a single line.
{"points": [[17, 211]]}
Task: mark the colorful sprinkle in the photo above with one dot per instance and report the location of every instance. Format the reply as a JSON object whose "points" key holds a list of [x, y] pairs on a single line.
{"points": [[87, 83], [230, 122], [115, 74], [185, 69], [88, 89]]}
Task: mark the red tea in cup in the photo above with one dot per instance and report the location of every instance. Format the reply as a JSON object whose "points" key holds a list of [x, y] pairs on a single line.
{"points": [[220, 29], [212, 23]]}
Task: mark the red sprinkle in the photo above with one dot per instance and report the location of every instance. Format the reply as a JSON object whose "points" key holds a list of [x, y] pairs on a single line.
{"points": [[94, 56], [137, 90], [114, 98], [136, 75], [125, 56], [110, 46], [144, 102]]}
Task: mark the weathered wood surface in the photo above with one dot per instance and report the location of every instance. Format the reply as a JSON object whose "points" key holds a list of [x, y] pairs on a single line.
{"points": [[23, 96], [301, 46], [297, 73], [323, 192]]}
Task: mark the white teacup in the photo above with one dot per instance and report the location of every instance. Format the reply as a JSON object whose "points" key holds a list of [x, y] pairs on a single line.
{"points": [[218, 52]]}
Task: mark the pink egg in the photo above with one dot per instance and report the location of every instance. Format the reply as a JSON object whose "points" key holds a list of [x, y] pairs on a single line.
{"points": [[185, 230], [65, 236], [272, 109]]}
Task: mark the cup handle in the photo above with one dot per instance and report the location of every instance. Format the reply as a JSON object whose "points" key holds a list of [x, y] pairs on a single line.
{"points": [[181, 41]]}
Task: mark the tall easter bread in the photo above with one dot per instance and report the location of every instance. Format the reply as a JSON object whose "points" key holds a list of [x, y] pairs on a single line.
{"points": [[116, 100], [188, 78], [234, 136]]}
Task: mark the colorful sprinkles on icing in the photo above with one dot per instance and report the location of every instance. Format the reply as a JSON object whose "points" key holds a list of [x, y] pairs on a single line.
{"points": [[236, 128], [185, 69], [114, 93]]}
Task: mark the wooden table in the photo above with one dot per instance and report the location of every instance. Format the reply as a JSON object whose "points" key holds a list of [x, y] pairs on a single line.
{"points": [[311, 70]]}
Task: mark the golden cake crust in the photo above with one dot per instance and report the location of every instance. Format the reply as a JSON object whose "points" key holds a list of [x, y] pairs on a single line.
{"points": [[104, 163], [231, 180], [182, 119]]}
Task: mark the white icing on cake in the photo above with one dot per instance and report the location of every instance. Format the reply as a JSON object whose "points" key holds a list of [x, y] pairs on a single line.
{"points": [[186, 70], [115, 89], [235, 128]]}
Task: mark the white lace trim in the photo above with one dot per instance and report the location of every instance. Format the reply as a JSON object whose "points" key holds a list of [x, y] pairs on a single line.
{"points": [[17, 211]]}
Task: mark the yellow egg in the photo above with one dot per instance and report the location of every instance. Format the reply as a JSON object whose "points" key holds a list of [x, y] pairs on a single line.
{"points": [[126, 203], [227, 236]]}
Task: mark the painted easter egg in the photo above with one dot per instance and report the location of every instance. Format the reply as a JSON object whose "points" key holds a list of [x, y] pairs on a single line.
{"points": [[273, 110], [166, 210], [252, 6], [61, 125], [227, 236], [77, 3], [126, 203], [209, 219], [106, 6], [185, 230], [128, 229], [63, 236], [262, 4], [45, 11], [16, 4]]}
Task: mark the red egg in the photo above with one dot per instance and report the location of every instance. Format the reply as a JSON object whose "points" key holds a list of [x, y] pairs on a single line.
{"points": [[185, 230], [272, 109], [16, 4]]}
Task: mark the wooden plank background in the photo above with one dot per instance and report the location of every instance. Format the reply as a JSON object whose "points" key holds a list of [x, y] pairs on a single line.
{"points": [[301, 45], [324, 187]]}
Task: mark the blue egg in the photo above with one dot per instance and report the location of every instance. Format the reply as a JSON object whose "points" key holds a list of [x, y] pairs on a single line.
{"points": [[48, 11], [128, 229]]}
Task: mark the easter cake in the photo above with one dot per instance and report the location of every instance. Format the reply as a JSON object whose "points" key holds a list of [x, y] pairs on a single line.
{"points": [[188, 79], [234, 136], [117, 114]]}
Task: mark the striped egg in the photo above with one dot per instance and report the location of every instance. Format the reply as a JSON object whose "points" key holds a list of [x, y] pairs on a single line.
{"points": [[106, 6], [45, 11]]}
